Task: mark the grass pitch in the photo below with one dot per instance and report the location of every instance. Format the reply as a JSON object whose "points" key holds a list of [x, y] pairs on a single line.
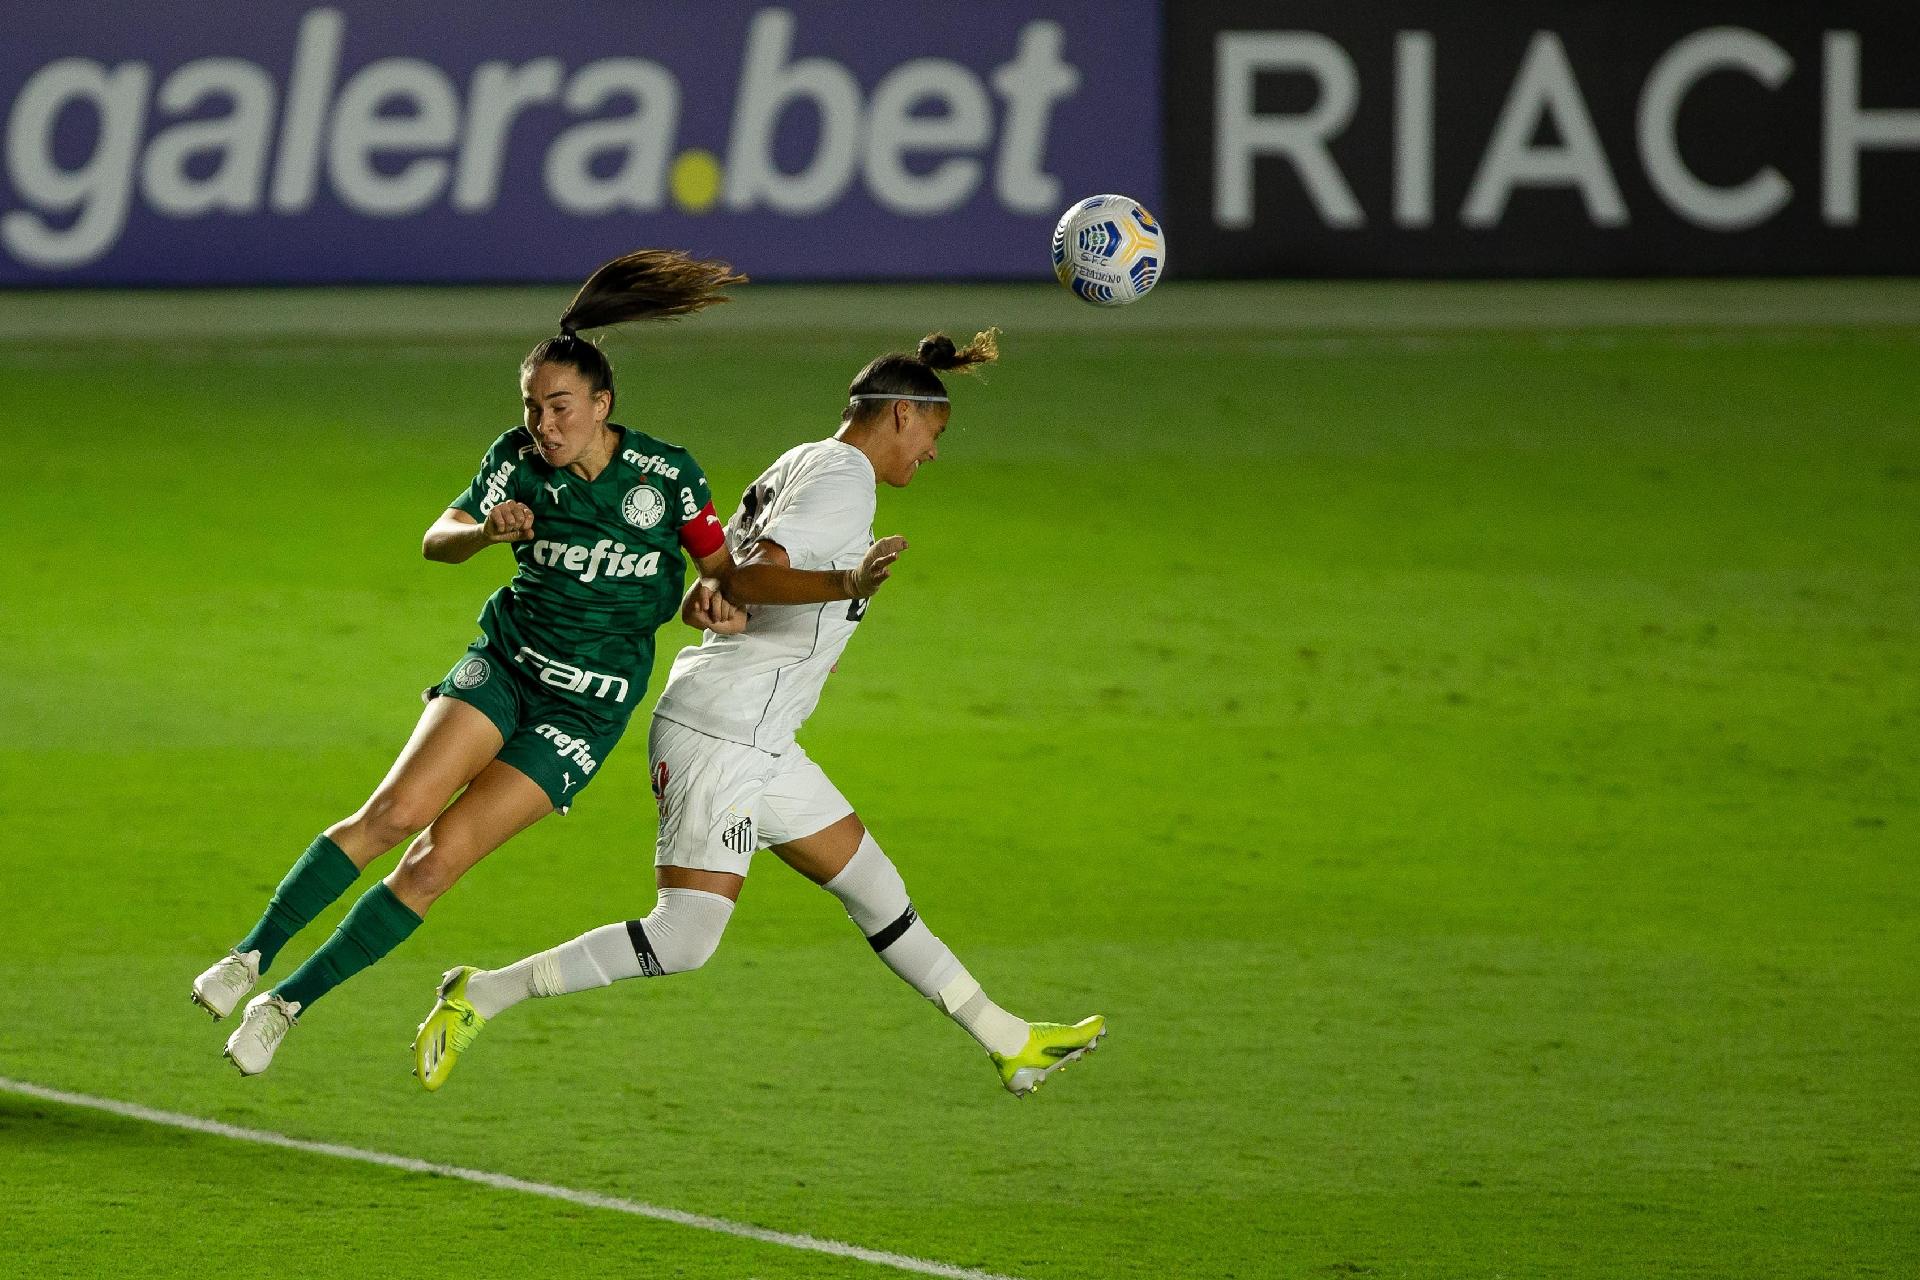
{"points": [[1464, 738]]}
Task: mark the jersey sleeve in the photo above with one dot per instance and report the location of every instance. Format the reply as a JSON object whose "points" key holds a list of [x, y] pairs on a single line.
{"points": [[700, 530], [824, 515], [494, 483]]}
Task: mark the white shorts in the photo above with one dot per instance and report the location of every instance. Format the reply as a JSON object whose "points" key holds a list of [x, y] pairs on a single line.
{"points": [[721, 801]]}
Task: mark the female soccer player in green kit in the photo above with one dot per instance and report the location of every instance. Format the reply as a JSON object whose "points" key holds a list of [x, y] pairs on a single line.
{"points": [[597, 516]]}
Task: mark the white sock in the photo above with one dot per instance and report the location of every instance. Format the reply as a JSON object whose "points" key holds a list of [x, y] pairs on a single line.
{"points": [[876, 899], [679, 934]]}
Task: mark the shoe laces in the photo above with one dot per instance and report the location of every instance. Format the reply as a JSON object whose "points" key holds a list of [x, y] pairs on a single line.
{"points": [[274, 1019]]}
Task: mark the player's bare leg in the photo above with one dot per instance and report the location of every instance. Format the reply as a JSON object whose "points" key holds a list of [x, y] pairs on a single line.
{"points": [[845, 860], [499, 804], [496, 806], [724, 883], [450, 744]]}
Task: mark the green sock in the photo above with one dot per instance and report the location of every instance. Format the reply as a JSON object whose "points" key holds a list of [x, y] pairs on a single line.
{"points": [[322, 874], [375, 925]]}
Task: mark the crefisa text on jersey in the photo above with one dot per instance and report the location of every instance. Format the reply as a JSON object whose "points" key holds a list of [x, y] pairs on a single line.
{"points": [[651, 464], [496, 488], [585, 562]]}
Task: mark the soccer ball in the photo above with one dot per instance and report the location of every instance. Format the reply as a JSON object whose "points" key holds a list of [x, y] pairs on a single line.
{"points": [[1108, 250]]}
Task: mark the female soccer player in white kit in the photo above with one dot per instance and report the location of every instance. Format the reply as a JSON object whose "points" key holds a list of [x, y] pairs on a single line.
{"points": [[727, 774]]}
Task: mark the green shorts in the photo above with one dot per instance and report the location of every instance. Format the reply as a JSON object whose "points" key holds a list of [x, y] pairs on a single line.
{"points": [[557, 743]]}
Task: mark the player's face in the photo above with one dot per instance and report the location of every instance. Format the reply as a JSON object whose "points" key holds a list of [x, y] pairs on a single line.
{"points": [[564, 416], [917, 441]]}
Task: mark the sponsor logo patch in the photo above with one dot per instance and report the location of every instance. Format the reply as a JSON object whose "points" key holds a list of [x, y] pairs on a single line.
{"points": [[564, 675], [472, 673], [568, 747], [604, 559], [643, 506], [651, 464], [660, 777], [496, 488]]}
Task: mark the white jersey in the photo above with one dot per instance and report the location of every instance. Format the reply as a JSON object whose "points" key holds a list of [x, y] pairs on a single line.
{"points": [[757, 687]]}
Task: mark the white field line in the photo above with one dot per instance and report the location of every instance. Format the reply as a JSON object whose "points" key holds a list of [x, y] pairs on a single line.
{"points": [[500, 1181]]}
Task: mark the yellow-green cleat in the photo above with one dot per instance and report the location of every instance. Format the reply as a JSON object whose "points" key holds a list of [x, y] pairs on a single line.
{"points": [[449, 1029], [1050, 1047]]}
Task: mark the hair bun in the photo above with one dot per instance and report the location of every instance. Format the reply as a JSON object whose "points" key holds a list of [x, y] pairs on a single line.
{"points": [[937, 351]]}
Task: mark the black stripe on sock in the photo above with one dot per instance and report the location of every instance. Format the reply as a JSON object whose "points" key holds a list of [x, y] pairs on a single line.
{"points": [[891, 934], [649, 962]]}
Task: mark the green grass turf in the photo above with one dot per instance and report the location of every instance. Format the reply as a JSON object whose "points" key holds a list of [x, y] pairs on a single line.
{"points": [[1464, 738]]}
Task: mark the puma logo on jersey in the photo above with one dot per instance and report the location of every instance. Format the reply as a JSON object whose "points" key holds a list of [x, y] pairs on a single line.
{"points": [[554, 491]]}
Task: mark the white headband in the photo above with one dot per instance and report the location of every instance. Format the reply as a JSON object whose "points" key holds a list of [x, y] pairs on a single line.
{"points": [[877, 395]]}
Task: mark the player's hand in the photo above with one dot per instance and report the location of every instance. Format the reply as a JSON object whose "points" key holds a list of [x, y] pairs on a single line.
{"points": [[875, 567], [707, 609], [510, 522]]}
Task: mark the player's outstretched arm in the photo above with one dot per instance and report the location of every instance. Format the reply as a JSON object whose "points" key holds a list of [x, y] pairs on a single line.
{"points": [[456, 536], [767, 577]]}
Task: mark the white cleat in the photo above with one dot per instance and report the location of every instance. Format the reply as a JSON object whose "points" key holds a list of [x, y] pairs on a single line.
{"points": [[264, 1026], [226, 984]]}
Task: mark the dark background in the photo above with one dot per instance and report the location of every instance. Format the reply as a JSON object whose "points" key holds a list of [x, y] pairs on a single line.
{"points": [[1730, 126]]}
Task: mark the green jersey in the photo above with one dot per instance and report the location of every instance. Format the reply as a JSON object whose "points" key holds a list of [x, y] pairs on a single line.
{"points": [[603, 569]]}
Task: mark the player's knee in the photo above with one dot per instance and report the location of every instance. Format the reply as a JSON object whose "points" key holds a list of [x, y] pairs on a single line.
{"points": [[392, 816], [425, 870], [682, 931], [871, 889], [696, 953]]}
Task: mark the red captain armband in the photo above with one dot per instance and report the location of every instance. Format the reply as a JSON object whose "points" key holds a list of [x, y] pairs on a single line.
{"points": [[703, 535]]}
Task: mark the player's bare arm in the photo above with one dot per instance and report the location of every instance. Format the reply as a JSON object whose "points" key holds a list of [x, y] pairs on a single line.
{"points": [[457, 536], [768, 577], [718, 600]]}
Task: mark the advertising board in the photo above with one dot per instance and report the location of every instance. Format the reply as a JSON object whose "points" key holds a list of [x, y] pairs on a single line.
{"points": [[245, 143], [1416, 138]]}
